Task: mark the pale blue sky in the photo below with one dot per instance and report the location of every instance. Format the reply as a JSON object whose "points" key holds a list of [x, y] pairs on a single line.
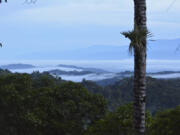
{"points": [[52, 25]]}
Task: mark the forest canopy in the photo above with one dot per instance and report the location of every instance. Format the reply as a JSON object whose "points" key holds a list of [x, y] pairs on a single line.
{"points": [[37, 103]]}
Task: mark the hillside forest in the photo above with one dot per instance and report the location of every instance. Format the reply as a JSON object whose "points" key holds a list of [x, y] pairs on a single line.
{"points": [[39, 104]]}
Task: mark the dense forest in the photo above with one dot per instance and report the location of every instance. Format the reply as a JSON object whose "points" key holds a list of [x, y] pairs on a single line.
{"points": [[39, 104], [162, 93]]}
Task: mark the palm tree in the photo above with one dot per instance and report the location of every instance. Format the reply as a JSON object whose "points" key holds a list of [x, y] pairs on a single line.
{"points": [[138, 39]]}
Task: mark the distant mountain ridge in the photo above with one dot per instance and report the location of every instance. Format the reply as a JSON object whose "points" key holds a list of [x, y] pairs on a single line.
{"points": [[77, 74], [28, 66], [96, 70], [17, 66], [72, 73], [157, 49]]}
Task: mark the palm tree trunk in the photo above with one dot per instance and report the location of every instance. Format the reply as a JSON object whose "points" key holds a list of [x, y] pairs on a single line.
{"points": [[140, 70]]}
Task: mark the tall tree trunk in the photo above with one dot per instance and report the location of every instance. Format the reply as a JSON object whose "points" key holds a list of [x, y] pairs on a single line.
{"points": [[140, 70]]}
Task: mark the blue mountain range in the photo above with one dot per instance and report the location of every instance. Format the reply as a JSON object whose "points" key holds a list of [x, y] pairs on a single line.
{"points": [[159, 49]]}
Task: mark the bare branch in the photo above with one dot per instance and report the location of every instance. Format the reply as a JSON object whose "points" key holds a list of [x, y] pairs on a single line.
{"points": [[172, 3], [4, 1]]}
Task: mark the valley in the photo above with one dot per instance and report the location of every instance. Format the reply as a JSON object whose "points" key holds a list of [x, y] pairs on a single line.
{"points": [[78, 73]]}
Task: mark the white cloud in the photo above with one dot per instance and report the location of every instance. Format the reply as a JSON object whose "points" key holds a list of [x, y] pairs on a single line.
{"points": [[115, 13], [102, 13]]}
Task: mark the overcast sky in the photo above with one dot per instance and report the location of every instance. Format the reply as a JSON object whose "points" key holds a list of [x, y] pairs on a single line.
{"points": [[52, 25]]}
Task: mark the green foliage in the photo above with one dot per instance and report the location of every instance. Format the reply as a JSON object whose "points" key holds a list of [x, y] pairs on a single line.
{"points": [[39, 104], [166, 122], [4, 72], [161, 93], [119, 122], [137, 37]]}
